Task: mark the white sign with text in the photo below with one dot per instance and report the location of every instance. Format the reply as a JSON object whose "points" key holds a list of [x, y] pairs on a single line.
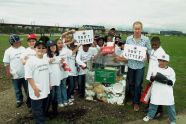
{"points": [[134, 52], [84, 37]]}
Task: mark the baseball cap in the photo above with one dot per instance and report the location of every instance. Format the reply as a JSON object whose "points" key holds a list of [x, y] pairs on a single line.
{"points": [[14, 38], [39, 42], [31, 36], [164, 57], [50, 43]]}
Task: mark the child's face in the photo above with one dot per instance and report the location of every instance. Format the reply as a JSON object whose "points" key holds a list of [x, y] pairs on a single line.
{"points": [[40, 50], [155, 45], [117, 39], [109, 39], [68, 38], [53, 48], [72, 46], [31, 43], [100, 43], [162, 63], [122, 47], [60, 44], [85, 48], [17, 44]]}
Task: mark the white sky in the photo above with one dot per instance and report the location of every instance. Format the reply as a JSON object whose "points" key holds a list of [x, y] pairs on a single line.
{"points": [[155, 14]]}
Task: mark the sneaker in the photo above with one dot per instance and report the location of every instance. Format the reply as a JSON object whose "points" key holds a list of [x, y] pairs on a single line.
{"points": [[72, 97], [146, 118], [71, 100], [158, 115], [70, 103], [65, 104], [172, 122], [19, 104], [60, 105], [136, 107]]}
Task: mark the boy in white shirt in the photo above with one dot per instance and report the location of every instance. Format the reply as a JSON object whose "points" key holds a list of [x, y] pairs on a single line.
{"points": [[38, 73], [156, 50], [85, 54], [30, 51], [163, 78], [15, 68], [153, 64]]}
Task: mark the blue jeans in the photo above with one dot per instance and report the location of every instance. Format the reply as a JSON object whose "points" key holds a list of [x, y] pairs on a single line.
{"points": [[81, 85], [71, 85], [53, 95], [38, 110], [135, 80], [62, 92], [170, 110], [18, 83]]}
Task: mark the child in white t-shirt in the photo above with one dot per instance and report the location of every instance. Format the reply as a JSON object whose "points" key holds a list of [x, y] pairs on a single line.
{"points": [[30, 51], [83, 56], [15, 68], [156, 50], [153, 64], [63, 54], [54, 63], [163, 78], [72, 78], [38, 74]]}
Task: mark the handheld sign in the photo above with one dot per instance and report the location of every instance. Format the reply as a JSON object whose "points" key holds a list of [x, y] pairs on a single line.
{"points": [[134, 52], [84, 37], [108, 49]]}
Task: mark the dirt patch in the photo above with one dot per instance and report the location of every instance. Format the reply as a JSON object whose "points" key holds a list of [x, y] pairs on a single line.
{"points": [[5, 83]]}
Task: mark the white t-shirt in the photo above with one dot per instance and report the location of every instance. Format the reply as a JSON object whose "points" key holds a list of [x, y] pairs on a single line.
{"points": [[81, 59], [12, 57], [55, 69], [95, 50], [153, 62], [64, 53], [28, 52], [162, 94], [118, 50], [39, 70], [72, 64]]}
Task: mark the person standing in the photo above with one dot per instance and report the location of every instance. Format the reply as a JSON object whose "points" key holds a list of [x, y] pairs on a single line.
{"points": [[136, 68], [15, 68]]}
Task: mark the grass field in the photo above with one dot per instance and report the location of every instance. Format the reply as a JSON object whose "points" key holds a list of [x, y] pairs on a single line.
{"points": [[87, 112]]}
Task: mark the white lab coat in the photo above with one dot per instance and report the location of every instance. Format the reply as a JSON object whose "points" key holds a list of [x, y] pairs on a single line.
{"points": [[153, 62], [162, 94]]}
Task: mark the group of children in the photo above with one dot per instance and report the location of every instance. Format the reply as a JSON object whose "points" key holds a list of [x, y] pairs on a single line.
{"points": [[49, 71]]}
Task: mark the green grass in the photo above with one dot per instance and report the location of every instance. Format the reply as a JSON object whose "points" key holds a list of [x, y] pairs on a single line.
{"points": [[173, 45]]}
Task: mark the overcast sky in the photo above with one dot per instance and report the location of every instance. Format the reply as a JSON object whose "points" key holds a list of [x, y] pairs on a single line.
{"points": [[155, 14]]}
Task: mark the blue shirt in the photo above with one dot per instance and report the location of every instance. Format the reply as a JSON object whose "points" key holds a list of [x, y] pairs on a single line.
{"points": [[143, 42]]}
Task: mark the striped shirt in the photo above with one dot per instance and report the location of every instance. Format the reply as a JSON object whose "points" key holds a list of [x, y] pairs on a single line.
{"points": [[143, 42]]}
